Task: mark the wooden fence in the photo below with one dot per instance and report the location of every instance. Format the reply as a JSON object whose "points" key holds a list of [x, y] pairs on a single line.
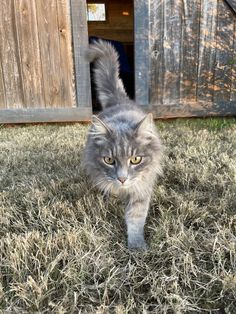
{"points": [[185, 59], [37, 69], [192, 57]]}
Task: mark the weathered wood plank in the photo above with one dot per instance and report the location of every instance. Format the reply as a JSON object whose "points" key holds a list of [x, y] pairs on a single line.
{"points": [[10, 81], [156, 51], [30, 115], [172, 50], [3, 103], [233, 81], [49, 50], [189, 53], [141, 39], [200, 109], [28, 44], [224, 52], [68, 98], [207, 45], [80, 44]]}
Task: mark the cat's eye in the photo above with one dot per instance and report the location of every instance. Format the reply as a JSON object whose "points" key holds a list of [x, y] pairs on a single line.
{"points": [[109, 160], [135, 160]]}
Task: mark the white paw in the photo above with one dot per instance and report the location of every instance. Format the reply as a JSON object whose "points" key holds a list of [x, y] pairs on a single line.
{"points": [[138, 244]]}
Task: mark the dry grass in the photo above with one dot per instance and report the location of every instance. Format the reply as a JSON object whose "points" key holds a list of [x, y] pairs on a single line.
{"points": [[63, 248]]}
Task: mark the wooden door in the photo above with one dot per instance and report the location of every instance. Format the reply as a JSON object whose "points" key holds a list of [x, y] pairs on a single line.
{"points": [[188, 49], [43, 74]]}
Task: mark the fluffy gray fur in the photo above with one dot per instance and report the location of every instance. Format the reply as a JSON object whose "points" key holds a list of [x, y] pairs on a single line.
{"points": [[121, 131]]}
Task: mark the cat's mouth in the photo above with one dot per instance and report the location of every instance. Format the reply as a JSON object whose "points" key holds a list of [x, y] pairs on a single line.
{"points": [[123, 186], [116, 186]]}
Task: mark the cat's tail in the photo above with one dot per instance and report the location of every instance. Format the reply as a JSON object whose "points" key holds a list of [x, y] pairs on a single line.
{"points": [[109, 86]]}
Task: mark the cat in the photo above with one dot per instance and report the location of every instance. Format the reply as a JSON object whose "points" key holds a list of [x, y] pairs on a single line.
{"points": [[123, 150]]}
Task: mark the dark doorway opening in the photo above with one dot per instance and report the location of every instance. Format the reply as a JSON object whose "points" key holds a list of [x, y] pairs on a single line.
{"points": [[113, 20]]}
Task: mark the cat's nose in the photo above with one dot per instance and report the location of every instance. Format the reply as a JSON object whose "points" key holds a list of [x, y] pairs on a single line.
{"points": [[122, 179]]}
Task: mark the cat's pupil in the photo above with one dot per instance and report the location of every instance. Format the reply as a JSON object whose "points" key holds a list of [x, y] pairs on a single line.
{"points": [[135, 160], [109, 160]]}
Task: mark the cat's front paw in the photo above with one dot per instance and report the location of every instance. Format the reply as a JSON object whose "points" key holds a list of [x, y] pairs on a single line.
{"points": [[137, 245]]}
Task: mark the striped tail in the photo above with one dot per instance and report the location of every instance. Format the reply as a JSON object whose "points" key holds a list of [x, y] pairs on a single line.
{"points": [[109, 86]]}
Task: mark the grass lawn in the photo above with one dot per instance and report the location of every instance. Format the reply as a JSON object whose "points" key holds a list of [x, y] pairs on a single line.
{"points": [[63, 247]]}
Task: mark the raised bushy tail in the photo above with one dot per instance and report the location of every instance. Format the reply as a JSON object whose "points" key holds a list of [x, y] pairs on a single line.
{"points": [[109, 86]]}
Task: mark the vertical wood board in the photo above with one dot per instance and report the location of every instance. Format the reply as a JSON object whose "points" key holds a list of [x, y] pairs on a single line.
{"points": [[156, 51], [80, 44], [28, 44], [233, 81], [67, 86], [172, 50], [224, 52], [189, 54], [2, 88], [207, 51], [49, 49], [141, 44], [10, 72]]}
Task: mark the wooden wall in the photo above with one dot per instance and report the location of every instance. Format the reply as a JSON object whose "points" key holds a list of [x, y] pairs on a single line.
{"points": [[193, 57], [117, 27], [36, 63], [185, 57]]}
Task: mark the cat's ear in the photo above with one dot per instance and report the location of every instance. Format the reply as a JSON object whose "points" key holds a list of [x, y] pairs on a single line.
{"points": [[146, 124], [99, 127]]}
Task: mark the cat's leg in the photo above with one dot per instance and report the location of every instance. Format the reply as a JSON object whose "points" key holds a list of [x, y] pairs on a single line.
{"points": [[135, 217]]}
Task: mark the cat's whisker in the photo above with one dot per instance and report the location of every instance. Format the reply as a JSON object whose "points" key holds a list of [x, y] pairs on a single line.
{"points": [[104, 184], [98, 183], [107, 188]]}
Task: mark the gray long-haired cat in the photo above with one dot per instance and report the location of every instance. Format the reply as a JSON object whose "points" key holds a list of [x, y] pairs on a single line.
{"points": [[123, 151]]}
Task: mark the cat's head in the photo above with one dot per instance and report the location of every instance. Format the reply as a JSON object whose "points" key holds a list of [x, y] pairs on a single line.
{"points": [[123, 157]]}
